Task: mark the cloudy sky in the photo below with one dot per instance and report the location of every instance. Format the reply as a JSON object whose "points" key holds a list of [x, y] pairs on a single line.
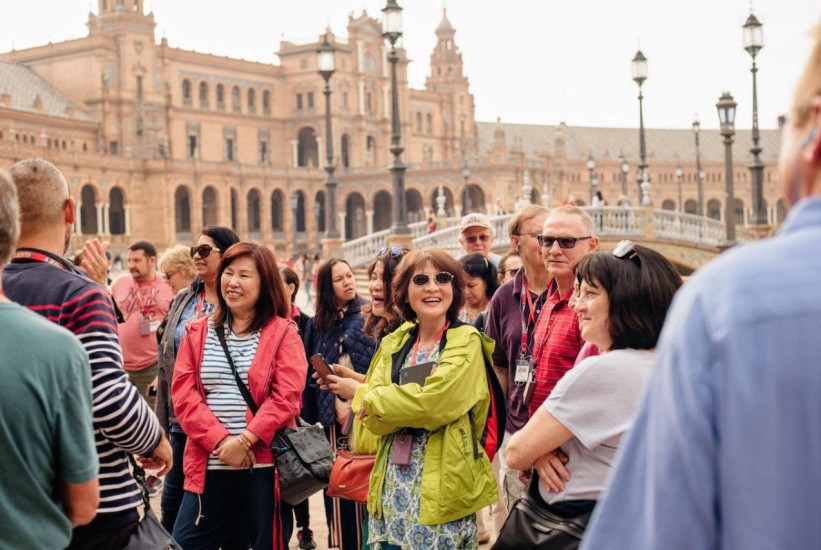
{"points": [[529, 61]]}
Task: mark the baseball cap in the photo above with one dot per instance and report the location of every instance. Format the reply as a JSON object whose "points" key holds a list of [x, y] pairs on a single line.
{"points": [[475, 220]]}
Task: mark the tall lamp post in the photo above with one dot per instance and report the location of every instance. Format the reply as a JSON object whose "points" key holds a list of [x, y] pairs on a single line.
{"points": [[699, 171], [466, 206], [625, 168], [753, 42], [293, 198], [679, 177], [639, 69], [392, 31], [591, 167], [726, 115], [326, 64]]}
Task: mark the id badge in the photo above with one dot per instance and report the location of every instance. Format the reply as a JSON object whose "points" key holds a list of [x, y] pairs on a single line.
{"points": [[145, 327], [522, 371], [402, 449], [154, 325]]}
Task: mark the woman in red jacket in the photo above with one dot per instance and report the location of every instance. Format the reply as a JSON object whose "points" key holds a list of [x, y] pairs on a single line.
{"points": [[229, 474]]}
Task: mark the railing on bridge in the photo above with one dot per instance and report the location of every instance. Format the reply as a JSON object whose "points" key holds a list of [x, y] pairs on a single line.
{"points": [[610, 221]]}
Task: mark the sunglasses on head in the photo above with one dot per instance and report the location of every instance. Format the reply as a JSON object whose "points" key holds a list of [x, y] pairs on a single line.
{"points": [[204, 250], [626, 250], [394, 251], [442, 278], [547, 241]]}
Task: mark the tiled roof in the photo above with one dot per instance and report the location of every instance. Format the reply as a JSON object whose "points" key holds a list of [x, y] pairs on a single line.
{"points": [[24, 87], [662, 144]]}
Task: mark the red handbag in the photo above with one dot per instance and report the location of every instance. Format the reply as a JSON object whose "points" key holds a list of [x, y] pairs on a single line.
{"points": [[351, 476]]}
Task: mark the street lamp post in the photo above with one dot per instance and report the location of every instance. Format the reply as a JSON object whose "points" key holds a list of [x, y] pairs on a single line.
{"points": [[699, 171], [294, 200], [466, 206], [392, 31], [639, 69], [591, 167], [726, 116], [679, 177], [625, 167], [753, 42], [326, 65]]}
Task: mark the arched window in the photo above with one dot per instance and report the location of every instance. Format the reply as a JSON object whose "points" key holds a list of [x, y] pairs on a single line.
{"points": [[116, 212], [254, 223], [186, 91], [345, 151], [182, 210], [88, 211], [307, 149], [266, 102], [668, 204], [252, 100], [429, 123], [204, 95], [690, 206], [235, 105], [220, 96], [209, 206], [370, 151], [714, 209], [276, 211], [418, 122], [234, 215]]}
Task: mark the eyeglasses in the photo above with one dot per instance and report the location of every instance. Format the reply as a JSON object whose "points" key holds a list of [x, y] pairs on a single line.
{"points": [[531, 233], [169, 274], [442, 278], [204, 250], [626, 250], [512, 271], [395, 251], [477, 238], [564, 242]]}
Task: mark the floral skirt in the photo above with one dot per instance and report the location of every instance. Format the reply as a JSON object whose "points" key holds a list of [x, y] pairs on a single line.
{"points": [[400, 525]]}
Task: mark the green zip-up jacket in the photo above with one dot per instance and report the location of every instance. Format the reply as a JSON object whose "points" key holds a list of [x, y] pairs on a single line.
{"points": [[457, 479]]}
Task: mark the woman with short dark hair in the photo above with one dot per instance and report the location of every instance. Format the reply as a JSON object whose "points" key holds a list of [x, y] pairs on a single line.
{"points": [[622, 299], [229, 474]]}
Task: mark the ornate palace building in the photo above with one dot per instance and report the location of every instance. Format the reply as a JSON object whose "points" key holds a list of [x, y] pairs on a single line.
{"points": [[157, 141]]}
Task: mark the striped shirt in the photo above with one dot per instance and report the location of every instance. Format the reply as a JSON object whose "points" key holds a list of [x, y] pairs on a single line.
{"points": [[122, 420], [557, 342], [221, 391]]}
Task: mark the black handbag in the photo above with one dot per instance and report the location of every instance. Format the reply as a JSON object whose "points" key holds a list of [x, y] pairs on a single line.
{"points": [[150, 534], [534, 524], [303, 455]]}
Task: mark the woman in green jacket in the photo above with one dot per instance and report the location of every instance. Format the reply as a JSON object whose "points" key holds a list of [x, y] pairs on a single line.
{"points": [[427, 397]]}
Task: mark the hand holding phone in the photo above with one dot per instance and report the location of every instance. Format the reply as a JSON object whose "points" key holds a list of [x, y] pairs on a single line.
{"points": [[321, 367]]}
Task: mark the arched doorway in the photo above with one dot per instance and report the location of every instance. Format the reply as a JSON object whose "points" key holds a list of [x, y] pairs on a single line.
{"points": [[382, 210], [355, 223], [476, 199], [668, 204], [691, 206], [116, 211], [209, 206], [319, 211], [714, 209], [307, 149], [345, 151], [300, 211], [449, 210], [253, 208], [182, 210], [88, 211], [276, 211], [414, 206], [234, 206]]}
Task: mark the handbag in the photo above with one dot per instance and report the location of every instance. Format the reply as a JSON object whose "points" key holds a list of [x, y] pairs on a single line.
{"points": [[532, 524], [302, 455], [150, 534], [351, 476]]}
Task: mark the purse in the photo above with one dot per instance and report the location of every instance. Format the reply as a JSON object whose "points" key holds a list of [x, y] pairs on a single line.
{"points": [[532, 524], [351, 476], [302, 455], [150, 534]]}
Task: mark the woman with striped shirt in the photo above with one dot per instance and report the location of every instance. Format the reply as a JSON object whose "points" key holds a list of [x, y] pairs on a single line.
{"points": [[229, 475]]}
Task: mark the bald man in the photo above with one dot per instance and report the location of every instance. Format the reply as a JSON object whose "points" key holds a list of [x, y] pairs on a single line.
{"points": [[41, 279]]}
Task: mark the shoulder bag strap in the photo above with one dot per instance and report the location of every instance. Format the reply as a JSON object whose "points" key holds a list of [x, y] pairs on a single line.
{"points": [[243, 389], [139, 476]]}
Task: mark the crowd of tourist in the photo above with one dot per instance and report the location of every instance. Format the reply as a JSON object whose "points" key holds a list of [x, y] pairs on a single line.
{"points": [[665, 417]]}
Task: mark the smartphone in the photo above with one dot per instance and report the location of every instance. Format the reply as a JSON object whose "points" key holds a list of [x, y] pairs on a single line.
{"points": [[321, 366]]}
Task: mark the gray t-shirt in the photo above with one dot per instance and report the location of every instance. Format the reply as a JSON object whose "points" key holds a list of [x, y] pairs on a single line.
{"points": [[596, 400]]}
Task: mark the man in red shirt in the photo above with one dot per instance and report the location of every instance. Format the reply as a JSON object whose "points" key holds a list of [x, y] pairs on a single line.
{"points": [[143, 297], [566, 238]]}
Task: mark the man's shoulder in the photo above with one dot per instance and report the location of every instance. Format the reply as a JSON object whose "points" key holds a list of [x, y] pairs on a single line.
{"points": [[25, 325], [21, 279]]}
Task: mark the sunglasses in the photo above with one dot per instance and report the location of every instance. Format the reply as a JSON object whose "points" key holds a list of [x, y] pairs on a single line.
{"points": [[547, 241], [626, 250], [394, 251], [204, 250], [477, 238], [442, 278]]}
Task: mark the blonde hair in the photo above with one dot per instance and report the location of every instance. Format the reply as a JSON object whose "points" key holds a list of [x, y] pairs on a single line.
{"points": [[178, 258], [587, 221], [42, 191], [809, 85]]}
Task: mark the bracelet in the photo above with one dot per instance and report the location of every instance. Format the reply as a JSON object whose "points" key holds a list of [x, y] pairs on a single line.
{"points": [[245, 442]]}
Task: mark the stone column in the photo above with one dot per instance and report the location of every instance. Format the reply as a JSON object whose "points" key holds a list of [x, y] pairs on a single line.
{"points": [[361, 97], [100, 219], [295, 152], [127, 215], [369, 221]]}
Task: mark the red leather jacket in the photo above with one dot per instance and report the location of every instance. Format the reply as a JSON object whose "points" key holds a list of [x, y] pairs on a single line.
{"points": [[276, 379]]}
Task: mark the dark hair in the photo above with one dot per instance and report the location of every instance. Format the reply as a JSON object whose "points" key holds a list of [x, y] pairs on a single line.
{"points": [[146, 246], [272, 301], [640, 290], [223, 237], [376, 327], [476, 265], [326, 308], [290, 277], [416, 259]]}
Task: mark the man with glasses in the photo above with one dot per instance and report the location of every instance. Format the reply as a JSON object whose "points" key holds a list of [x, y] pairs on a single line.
{"points": [[143, 296], [476, 237], [41, 279], [566, 238], [511, 320]]}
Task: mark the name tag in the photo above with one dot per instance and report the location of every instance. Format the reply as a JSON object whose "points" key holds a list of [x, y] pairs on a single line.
{"points": [[145, 326], [154, 326], [522, 371]]}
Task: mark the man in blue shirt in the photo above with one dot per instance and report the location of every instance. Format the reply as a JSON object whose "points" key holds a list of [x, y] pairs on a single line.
{"points": [[726, 449]]}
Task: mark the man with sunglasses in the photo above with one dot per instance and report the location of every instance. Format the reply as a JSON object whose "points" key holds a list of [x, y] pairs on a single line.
{"points": [[143, 296], [566, 238], [476, 237]]}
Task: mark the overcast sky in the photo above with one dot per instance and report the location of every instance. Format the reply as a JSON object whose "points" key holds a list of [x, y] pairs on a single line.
{"points": [[528, 61]]}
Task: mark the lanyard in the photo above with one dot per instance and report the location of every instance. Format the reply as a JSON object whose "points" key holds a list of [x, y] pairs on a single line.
{"points": [[143, 308], [37, 257], [433, 347], [526, 321]]}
